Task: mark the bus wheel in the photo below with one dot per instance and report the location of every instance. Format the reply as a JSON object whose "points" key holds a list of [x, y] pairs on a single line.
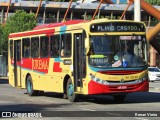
{"points": [[30, 90], [72, 97], [119, 98]]}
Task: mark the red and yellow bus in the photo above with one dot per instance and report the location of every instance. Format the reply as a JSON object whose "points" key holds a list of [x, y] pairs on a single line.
{"points": [[81, 57]]}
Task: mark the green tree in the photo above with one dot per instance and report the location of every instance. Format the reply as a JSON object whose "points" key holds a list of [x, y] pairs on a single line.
{"points": [[20, 21], [153, 2]]}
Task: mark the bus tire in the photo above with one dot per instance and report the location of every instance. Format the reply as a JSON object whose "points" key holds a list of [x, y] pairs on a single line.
{"points": [[72, 97], [119, 98], [30, 90]]}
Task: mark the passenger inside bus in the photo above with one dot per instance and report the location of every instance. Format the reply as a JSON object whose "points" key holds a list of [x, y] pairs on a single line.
{"points": [[54, 48], [66, 50], [26, 51], [66, 43], [62, 52]]}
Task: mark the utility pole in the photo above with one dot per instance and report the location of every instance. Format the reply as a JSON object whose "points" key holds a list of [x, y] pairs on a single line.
{"points": [[137, 10], [118, 1]]}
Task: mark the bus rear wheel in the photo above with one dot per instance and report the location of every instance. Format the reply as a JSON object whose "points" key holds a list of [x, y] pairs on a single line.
{"points": [[72, 97], [30, 90], [119, 98]]}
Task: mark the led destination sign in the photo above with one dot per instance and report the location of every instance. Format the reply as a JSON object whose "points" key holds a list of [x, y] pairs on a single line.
{"points": [[117, 27]]}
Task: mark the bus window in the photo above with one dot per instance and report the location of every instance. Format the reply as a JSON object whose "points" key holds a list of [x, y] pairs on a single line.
{"points": [[17, 44], [44, 42], [66, 44], [35, 47], [26, 47], [11, 49], [54, 46]]}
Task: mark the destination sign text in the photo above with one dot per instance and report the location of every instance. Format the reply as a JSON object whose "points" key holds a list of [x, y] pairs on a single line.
{"points": [[117, 27]]}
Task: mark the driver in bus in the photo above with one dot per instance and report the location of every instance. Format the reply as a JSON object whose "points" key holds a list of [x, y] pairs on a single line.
{"points": [[125, 56]]}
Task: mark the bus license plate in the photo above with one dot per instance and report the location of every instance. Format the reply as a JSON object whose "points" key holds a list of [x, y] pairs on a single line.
{"points": [[122, 87]]}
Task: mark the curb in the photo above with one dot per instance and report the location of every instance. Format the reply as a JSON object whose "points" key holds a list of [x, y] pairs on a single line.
{"points": [[154, 88], [157, 89]]}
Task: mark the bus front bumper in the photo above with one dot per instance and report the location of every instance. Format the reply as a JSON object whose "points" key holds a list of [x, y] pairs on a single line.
{"points": [[96, 88]]}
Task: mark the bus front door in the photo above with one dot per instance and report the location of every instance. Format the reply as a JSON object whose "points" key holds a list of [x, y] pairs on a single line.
{"points": [[79, 61], [17, 63]]}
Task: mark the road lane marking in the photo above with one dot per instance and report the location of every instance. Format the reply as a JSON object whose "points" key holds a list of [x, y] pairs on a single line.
{"points": [[88, 110], [113, 114], [140, 118]]}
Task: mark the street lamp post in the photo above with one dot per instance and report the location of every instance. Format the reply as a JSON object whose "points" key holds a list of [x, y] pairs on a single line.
{"points": [[137, 10]]}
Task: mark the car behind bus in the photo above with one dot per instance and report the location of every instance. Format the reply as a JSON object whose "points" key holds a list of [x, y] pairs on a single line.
{"points": [[154, 74]]}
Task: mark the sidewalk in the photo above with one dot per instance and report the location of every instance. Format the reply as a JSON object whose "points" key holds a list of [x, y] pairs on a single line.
{"points": [[154, 85]]}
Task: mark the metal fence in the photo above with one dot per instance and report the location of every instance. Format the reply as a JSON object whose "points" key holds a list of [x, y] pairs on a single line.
{"points": [[3, 66]]}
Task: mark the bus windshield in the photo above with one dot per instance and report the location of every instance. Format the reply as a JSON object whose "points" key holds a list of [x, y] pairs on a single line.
{"points": [[117, 51]]}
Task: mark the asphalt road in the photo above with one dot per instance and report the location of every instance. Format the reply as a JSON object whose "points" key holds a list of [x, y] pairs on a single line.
{"points": [[91, 107]]}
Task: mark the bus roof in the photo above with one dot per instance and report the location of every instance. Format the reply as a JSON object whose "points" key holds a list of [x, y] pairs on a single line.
{"points": [[52, 25], [46, 28]]}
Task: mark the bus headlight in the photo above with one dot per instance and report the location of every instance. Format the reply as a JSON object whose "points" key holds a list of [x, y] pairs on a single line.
{"points": [[97, 80], [143, 78]]}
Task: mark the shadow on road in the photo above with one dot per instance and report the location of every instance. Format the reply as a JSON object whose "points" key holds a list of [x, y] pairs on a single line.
{"points": [[31, 107], [142, 97]]}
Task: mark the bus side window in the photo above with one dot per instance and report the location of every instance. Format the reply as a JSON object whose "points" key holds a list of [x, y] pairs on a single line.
{"points": [[54, 46], [66, 45], [62, 45], [44, 41], [35, 47], [26, 47], [11, 48]]}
